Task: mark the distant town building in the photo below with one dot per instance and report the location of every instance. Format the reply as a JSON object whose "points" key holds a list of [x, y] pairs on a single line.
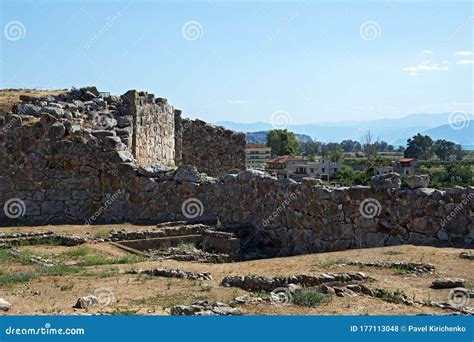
{"points": [[322, 169], [298, 168], [257, 156], [406, 166], [284, 166]]}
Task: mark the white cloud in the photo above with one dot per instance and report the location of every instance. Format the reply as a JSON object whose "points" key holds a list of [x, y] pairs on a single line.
{"points": [[465, 61], [427, 51], [424, 67], [464, 53]]}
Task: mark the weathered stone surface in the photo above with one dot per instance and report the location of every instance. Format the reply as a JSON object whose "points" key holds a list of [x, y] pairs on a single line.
{"points": [[86, 302], [384, 182], [447, 283], [258, 283], [467, 255], [187, 173], [205, 308], [212, 149], [174, 273], [418, 181], [4, 305]]}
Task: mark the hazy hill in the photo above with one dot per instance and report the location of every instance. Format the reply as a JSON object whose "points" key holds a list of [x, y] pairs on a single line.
{"points": [[394, 131]]}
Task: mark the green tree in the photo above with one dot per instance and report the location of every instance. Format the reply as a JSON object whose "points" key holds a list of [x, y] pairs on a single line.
{"points": [[420, 147], [282, 142], [444, 150], [335, 154]]}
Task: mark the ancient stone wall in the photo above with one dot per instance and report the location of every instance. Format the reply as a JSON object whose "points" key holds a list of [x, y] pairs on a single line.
{"points": [[212, 149], [55, 170], [153, 126]]}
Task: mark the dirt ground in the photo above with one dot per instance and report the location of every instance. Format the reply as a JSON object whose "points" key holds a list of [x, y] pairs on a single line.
{"points": [[48, 293], [9, 97]]}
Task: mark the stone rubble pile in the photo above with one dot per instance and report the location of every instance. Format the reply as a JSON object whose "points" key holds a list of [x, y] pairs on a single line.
{"points": [[410, 267], [43, 237], [259, 283], [174, 273], [205, 308], [4, 305], [86, 302], [467, 255], [192, 254], [447, 283]]}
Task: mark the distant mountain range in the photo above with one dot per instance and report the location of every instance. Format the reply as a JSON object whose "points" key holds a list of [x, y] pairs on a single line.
{"points": [[393, 131]]}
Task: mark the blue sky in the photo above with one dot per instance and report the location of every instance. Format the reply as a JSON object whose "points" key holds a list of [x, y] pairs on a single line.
{"points": [[248, 60]]}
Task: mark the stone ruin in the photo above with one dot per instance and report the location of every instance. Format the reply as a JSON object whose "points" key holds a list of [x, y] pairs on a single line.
{"points": [[80, 157]]}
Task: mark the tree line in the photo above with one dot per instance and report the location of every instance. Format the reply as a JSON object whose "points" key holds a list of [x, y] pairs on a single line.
{"points": [[420, 146]]}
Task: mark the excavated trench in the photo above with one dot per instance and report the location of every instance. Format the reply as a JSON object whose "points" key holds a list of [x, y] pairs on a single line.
{"points": [[184, 241]]}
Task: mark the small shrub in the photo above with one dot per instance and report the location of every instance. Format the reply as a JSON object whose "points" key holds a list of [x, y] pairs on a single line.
{"points": [[120, 312], [392, 253], [205, 287], [76, 252], [309, 297], [185, 246], [9, 278], [58, 270], [102, 233], [99, 259], [66, 287], [396, 297], [400, 271]]}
